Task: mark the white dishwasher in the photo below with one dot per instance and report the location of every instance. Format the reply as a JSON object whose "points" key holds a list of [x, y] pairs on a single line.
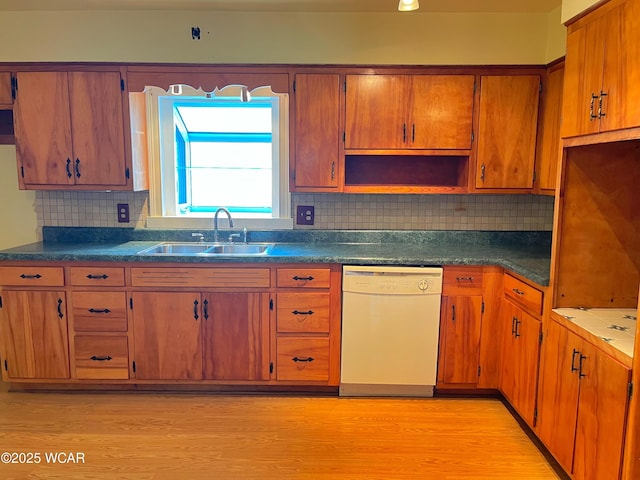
{"points": [[390, 327]]}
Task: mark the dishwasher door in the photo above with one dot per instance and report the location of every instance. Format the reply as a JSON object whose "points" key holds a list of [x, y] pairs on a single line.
{"points": [[390, 329]]}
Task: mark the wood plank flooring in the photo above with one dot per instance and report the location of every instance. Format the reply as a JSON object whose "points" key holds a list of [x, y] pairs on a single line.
{"points": [[143, 436]]}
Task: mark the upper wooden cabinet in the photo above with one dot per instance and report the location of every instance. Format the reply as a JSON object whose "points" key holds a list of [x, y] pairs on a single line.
{"points": [[428, 112], [549, 146], [69, 129], [316, 159], [5, 89], [602, 79], [507, 131]]}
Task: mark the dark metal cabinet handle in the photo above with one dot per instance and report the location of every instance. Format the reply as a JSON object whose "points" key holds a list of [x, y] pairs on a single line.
{"points": [[206, 309], [453, 313], [308, 359], [580, 374], [600, 99], [297, 312], [517, 332], [333, 170], [513, 325], [573, 360], [413, 133], [309, 278], [404, 133], [482, 172], [69, 174], [195, 310], [592, 115], [37, 275], [98, 310], [97, 277], [518, 292], [101, 359], [77, 167], [464, 279], [60, 314]]}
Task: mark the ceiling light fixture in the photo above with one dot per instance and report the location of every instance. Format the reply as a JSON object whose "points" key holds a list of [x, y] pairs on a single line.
{"points": [[408, 5]]}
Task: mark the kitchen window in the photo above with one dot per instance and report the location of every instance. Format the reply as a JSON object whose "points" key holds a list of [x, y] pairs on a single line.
{"points": [[228, 148]]}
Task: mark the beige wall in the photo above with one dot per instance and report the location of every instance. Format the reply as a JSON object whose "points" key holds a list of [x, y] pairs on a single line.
{"points": [[556, 36], [571, 8], [247, 37], [17, 211]]}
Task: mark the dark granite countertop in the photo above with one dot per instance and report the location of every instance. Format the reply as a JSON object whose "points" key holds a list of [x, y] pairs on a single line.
{"points": [[524, 253]]}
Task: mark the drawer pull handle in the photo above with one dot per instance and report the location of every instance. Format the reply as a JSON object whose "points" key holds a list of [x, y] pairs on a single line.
{"points": [[308, 359], [464, 279], [99, 310], [37, 275], [69, 175], [97, 277], [308, 312], [518, 292], [309, 278], [60, 314], [100, 359]]}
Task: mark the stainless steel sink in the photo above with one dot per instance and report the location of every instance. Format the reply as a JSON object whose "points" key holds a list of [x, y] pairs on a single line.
{"points": [[206, 249]]}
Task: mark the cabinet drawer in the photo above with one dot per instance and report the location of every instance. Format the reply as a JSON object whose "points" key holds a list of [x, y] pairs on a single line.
{"points": [[99, 311], [101, 357], [303, 359], [526, 295], [97, 276], [303, 312], [32, 276], [304, 277], [462, 280], [200, 277]]}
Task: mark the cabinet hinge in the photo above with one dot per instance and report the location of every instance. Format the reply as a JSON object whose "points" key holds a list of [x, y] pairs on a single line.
{"points": [[474, 86], [482, 308], [271, 304], [0, 302], [22, 171], [130, 303], [127, 173], [271, 367], [541, 336], [479, 370], [534, 176], [344, 137], [473, 137], [345, 85], [294, 86], [6, 366], [294, 175], [540, 87], [630, 390], [535, 415], [14, 86], [133, 365], [122, 84]]}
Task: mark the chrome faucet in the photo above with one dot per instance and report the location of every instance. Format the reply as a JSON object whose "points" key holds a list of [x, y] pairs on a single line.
{"points": [[215, 222]]}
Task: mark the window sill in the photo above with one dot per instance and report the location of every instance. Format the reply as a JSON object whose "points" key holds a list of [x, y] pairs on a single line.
{"points": [[206, 223]]}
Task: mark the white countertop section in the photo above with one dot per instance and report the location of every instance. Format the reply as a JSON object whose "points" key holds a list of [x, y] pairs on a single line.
{"points": [[616, 326]]}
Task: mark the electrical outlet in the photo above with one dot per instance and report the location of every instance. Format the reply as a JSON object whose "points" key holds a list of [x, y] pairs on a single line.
{"points": [[123, 213], [304, 215]]}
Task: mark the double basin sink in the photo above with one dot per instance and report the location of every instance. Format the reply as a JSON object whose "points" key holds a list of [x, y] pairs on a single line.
{"points": [[207, 249]]}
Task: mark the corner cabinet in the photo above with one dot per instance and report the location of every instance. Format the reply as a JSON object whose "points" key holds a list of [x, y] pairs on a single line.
{"points": [[602, 75], [583, 405], [69, 130], [316, 146]]}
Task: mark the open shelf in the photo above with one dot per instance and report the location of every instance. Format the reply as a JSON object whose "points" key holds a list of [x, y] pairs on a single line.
{"points": [[6, 127], [409, 174]]}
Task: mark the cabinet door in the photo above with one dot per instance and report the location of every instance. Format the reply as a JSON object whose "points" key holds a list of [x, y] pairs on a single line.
{"points": [[558, 396], [550, 151], [507, 131], [460, 339], [441, 112], [5, 89], [43, 128], [521, 349], [167, 338], [34, 331], [317, 130], [376, 111], [236, 336], [98, 128], [602, 414]]}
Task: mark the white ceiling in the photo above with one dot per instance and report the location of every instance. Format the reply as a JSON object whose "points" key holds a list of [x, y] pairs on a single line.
{"points": [[488, 6]]}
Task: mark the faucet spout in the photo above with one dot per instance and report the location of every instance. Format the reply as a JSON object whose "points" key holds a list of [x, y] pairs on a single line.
{"points": [[216, 233]]}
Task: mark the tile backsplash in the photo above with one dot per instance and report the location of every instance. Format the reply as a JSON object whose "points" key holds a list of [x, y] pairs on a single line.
{"points": [[332, 211]]}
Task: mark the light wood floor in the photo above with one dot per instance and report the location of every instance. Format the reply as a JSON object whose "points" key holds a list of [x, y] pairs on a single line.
{"points": [[138, 436]]}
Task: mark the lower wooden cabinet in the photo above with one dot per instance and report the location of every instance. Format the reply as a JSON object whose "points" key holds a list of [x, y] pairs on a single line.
{"points": [[303, 359], [100, 357], [582, 405], [34, 333]]}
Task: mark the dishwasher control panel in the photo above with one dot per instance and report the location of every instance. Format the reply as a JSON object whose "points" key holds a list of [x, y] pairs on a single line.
{"points": [[393, 280]]}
